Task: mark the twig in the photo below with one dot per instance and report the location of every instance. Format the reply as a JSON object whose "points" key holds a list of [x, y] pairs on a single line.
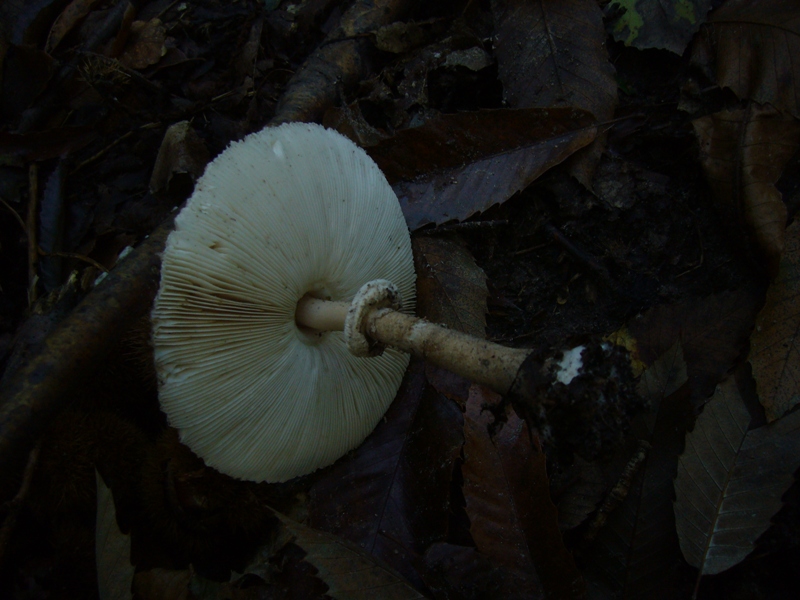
{"points": [[14, 505], [581, 255], [31, 226]]}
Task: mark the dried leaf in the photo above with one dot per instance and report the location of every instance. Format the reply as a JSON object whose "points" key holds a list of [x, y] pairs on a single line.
{"points": [[69, 17], [713, 332], [730, 480], [507, 492], [182, 152], [145, 45], [775, 343], [391, 496], [113, 549], [451, 287], [756, 43], [743, 153], [456, 165], [666, 24], [349, 572], [552, 53]]}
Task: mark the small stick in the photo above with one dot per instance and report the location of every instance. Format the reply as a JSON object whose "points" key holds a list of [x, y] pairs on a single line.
{"points": [[33, 248]]}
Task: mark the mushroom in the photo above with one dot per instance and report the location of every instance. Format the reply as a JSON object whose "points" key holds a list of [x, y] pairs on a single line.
{"points": [[283, 317]]}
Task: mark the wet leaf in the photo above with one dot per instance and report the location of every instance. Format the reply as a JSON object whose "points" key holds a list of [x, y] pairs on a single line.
{"points": [[743, 153], [552, 53], [391, 496], [713, 332], [513, 521], [350, 572], [666, 24], [775, 343], [74, 12], [730, 480], [457, 165], [451, 287], [756, 44], [113, 548]]}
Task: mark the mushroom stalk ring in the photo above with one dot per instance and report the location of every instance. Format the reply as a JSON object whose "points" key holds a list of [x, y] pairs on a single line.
{"points": [[368, 322]]}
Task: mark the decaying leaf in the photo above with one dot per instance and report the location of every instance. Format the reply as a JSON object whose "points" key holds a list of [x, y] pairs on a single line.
{"points": [[513, 521], [775, 343], [713, 332], [451, 287], [666, 24], [730, 480], [756, 44], [113, 548], [743, 153], [552, 53], [391, 495], [456, 165], [350, 572]]}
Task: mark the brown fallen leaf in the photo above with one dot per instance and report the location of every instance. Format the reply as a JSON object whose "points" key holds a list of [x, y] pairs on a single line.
{"points": [[145, 44], [656, 23], [513, 521], [661, 379], [552, 53], [775, 343], [113, 548], [743, 153], [66, 21], [451, 287], [456, 165], [713, 332], [755, 44], [730, 480], [181, 156]]}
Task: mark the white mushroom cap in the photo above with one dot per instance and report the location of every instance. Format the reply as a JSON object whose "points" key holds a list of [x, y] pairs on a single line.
{"points": [[286, 211]]}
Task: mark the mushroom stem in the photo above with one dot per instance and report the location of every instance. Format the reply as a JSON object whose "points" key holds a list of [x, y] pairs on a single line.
{"points": [[478, 360], [322, 315]]}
